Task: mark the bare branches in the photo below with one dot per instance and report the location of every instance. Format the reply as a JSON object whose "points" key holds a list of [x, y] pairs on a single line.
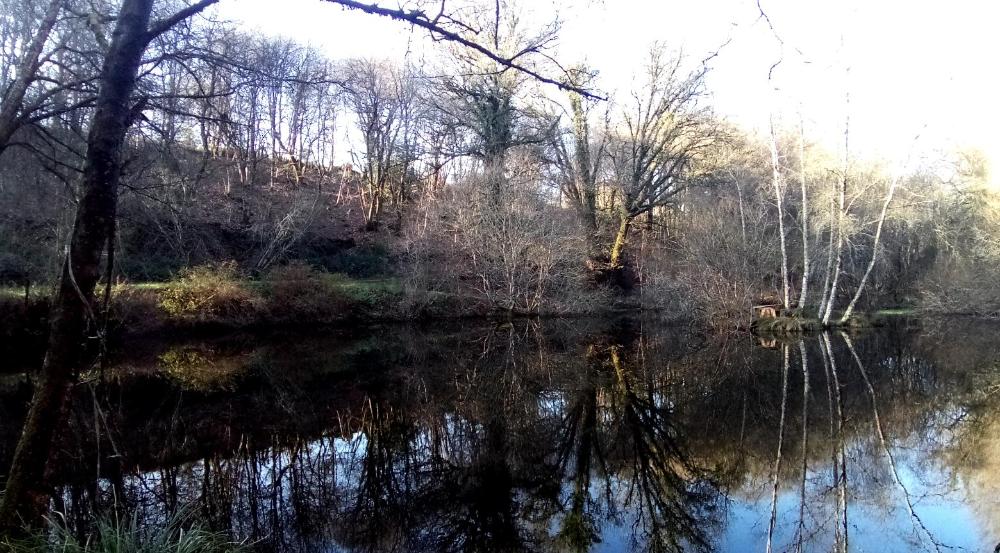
{"points": [[438, 26], [161, 26], [11, 109], [664, 132]]}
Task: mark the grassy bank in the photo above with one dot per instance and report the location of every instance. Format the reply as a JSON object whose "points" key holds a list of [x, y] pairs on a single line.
{"points": [[218, 297]]}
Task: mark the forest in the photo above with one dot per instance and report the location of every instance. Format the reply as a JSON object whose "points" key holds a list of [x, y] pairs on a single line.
{"points": [[163, 170], [471, 188]]}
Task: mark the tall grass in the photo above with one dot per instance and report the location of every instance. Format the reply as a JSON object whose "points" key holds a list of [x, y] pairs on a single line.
{"points": [[116, 535]]}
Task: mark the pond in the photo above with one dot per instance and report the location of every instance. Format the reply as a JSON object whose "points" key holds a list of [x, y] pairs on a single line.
{"points": [[551, 435]]}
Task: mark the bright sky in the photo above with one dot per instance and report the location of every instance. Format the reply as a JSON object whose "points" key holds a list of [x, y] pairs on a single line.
{"points": [[914, 64]]}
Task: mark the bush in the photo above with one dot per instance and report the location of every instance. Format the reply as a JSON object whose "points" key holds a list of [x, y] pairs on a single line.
{"points": [[299, 292], [213, 292]]}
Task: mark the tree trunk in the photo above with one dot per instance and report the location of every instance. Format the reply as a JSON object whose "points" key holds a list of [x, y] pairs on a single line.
{"points": [[776, 180], [616, 260], [871, 263], [586, 187], [803, 296], [72, 310], [803, 355], [777, 458], [584, 197], [829, 259], [838, 255], [841, 534], [832, 294], [588, 222]]}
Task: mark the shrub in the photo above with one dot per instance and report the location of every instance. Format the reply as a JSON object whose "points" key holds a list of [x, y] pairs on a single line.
{"points": [[212, 292]]}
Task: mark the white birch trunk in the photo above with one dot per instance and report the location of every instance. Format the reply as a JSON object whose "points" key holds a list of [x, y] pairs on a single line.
{"points": [[829, 258], [874, 259], [832, 294], [803, 294], [776, 178]]}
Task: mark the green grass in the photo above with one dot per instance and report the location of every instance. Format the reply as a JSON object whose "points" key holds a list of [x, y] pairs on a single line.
{"points": [[17, 292], [179, 534], [366, 290], [219, 295], [359, 287], [896, 312]]}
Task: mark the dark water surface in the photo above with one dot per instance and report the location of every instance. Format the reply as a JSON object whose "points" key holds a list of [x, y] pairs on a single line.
{"points": [[547, 436]]}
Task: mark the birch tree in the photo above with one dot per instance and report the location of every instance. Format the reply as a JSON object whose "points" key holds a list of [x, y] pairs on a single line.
{"points": [[779, 193], [804, 218], [826, 311]]}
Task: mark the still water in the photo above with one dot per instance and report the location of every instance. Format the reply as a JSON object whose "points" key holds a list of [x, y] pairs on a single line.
{"points": [[546, 436]]}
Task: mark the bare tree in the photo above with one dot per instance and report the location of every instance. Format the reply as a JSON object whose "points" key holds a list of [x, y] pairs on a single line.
{"points": [[779, 193], [521, 250], [826, 310], [36, 75], [381, 99], [893, 184], [579, 156], [663, 129], [460, 26], [804, 218]]}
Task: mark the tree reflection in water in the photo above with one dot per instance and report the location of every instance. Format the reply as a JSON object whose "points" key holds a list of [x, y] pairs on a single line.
{"points": [[548, 437]]}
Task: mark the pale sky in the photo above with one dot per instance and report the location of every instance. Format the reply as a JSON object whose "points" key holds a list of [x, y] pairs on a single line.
{"points": [[914, 64]]}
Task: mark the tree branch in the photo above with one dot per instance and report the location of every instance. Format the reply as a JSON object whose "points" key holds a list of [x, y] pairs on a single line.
{"points": [[418, 18], [161, 26]]}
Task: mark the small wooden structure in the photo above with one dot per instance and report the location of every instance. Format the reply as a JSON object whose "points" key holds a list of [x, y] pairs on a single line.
{"points": [[767, 311]]}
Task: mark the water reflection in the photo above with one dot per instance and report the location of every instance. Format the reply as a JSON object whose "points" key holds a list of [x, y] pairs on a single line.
{"points": [[554, 436]]}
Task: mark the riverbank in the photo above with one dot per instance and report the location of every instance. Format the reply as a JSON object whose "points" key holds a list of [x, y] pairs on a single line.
{"points": [[795, 325], [207, 300], [218, 299]]}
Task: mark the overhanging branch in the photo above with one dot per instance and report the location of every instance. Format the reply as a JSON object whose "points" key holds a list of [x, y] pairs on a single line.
{"points": [[418, 18]]}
